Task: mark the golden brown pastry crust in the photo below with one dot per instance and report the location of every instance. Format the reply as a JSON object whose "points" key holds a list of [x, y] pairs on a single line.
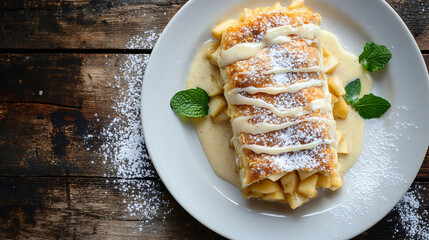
{"points": [[254, 72]]}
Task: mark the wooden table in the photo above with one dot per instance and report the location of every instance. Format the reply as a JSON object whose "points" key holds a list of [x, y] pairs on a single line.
{"points": [[72, 158]]}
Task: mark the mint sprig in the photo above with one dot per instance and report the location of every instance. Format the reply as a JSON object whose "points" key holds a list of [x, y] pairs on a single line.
{"points": [[191, 103], [369, 106], [353, 91], [374, 56]]}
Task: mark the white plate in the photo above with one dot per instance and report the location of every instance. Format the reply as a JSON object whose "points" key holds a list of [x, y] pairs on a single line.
{"points": [[394, 147]]}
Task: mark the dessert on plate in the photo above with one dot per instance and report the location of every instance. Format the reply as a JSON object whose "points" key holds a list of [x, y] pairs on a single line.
{"points": [[278, 121]]}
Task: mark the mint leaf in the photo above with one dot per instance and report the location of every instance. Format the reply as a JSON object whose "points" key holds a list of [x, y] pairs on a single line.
{"points": [[374, 56], [353, 91], [191, 103], [371, 106]]}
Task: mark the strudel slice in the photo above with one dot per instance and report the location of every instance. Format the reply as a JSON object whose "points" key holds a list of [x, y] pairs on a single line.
{"points": [[280, 107]]}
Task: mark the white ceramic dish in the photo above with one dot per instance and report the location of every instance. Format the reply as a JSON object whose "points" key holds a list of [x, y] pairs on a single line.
{"points": [[393, 150]]}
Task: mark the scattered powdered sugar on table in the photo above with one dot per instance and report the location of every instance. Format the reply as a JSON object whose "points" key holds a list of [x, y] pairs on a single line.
{"points": [[144, 41], [375, 168], [123, 148], [413, 219], [144, 200]]}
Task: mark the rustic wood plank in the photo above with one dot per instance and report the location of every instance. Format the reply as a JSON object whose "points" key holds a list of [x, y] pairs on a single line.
{"points": [[93, 208], [97, 208], [415, 16], [72, 114], [82, 24], [89, 24], [426, 58], [424, 170]]}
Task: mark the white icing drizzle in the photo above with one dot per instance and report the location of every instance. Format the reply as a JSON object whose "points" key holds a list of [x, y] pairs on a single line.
{"points": [[277, 35], [276, 70], [241, 100], [282, 61], [324, 104], [276, 90], [278, 150], [239, 52], [241, 124]]}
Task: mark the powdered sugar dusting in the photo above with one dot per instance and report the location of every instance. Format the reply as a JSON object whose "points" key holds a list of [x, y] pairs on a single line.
{"points": [[144, 200], [290, 78], [281, 101], [147, 42], [376, 168], [301, 133], [314, 158], [123, 148], [254, 30], [413, 219], [292, 57]]}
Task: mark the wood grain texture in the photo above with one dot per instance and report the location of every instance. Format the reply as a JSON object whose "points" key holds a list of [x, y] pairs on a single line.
{"points": [[426, 58], [57, 113], [91, 24], [82, 24], [92, 208], [97, 208], [414, 14], [424, 169]]}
